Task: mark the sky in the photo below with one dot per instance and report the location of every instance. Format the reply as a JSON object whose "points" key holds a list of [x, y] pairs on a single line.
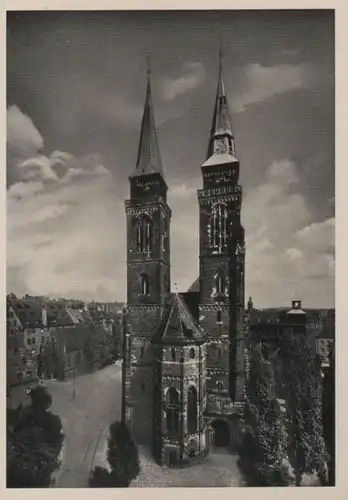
{"points": [[76, 86]]}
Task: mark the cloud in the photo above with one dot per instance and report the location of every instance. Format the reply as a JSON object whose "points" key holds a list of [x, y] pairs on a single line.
{"points": [[66, 235], [182, 191], [193, 76], [260, 83], [68, 241], [63, 237], [22, 138], [287, 254], [37, 167], [24, 145], [24, 189]]}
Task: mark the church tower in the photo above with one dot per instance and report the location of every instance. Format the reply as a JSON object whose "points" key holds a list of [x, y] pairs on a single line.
{"points": [[148, 272], [221, 266]]}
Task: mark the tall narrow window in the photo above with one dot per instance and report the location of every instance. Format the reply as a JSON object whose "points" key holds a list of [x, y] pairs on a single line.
{"points": [[192, 410], [142, 350], [218, 316], [192, 353], [172, 418], [144, 234], [173, 353], [145, 284], [218, 222], [220, 283]]}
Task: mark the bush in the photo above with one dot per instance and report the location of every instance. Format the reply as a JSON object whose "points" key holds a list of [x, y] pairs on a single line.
{"points": [[123, 459], [40, 399], [34, 441], [123, 455], [101, 478]]}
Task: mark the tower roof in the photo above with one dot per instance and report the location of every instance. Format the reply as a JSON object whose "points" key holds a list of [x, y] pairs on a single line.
{"points": [[149, 158], [221, 141], [177, 325]]}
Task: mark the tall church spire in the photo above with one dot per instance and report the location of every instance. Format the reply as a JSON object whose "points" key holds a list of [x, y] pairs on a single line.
{"points": [[221, 147], [149, 158]]}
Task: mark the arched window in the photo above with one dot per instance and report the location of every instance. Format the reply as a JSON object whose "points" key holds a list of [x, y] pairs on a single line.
{"points": [[220, 385], [145, 284], [192, 353], [144, 233], [172, 401], [219, 316], [218, 223], [173, 353], [220, 283], [192, 410]]}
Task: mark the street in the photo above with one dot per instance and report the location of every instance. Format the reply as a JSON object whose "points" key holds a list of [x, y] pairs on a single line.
{"points": [[86, 419]]}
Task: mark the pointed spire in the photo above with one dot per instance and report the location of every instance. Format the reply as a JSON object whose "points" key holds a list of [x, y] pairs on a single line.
{"points": [[149, 158], [221, 147]]}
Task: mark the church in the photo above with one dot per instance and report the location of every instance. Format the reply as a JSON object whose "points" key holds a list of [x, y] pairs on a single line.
{"points": [[184, 362]]}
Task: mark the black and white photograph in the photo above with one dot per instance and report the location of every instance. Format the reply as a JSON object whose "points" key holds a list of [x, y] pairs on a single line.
{"points": [[170, 253]]}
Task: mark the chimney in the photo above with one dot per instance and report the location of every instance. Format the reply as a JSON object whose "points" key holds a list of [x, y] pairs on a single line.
{"points": [[44, 315]]}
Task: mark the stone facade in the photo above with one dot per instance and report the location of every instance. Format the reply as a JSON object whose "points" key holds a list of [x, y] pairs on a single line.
{"points": [[183, 374]]}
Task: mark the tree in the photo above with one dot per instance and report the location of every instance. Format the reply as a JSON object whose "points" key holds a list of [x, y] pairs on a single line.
{"points": [[263, 450], [123, 459], [123, 454], [40, 399], [302, 377], [34, 440], [329, 414]]}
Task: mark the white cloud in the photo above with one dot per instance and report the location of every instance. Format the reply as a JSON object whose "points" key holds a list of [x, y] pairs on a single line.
{"points": [[37, 167], [63, 238], [260, 83], [22, 135], [193, 76], [24, 189], [69, 241], [298, 255], [182, 191]]}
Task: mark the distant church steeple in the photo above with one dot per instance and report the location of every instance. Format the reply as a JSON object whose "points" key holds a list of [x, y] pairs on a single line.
{"points": [[149, 158], [221, 139]]}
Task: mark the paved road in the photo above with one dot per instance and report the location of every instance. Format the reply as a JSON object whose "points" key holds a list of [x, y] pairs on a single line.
{"points": [[86, 419], [218, 469]]}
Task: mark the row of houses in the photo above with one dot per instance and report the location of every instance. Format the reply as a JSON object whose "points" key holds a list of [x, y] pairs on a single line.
{"points": [[56, 338], [318, 325]]}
